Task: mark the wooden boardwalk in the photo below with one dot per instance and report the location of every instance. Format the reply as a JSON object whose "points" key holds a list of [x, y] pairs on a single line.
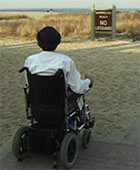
{"points": [[99, 156]]}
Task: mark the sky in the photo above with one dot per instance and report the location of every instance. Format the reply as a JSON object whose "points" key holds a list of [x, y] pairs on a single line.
{"points": [[68, 3]]}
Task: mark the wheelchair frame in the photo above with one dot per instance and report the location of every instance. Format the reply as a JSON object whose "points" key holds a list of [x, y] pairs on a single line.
{"points": [[72, 126]]}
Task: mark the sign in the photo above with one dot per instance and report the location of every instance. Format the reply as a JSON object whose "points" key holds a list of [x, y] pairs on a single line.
{"points": [[103, 20]]}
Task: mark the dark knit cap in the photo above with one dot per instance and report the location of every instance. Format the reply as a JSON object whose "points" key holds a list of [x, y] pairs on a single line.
{"points": [[48, 38]]}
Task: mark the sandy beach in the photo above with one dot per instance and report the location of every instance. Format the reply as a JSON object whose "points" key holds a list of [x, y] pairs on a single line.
{"points": [[114, 99]]}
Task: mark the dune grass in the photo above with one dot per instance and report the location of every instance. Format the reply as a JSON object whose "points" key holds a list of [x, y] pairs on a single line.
{"points": [[13, 17], [70, 25], [128, 23]]}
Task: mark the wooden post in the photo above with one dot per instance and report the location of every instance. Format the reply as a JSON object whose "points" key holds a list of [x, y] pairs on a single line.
{"points": [[113, 22], [93, 23]]}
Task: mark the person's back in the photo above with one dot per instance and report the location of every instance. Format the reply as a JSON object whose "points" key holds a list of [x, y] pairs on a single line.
{"points": [[48, 61]]}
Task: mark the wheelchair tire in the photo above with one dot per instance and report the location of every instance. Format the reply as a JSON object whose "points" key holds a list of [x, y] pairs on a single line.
{"points": [[20, 144], [69, 150], [86, 138]]}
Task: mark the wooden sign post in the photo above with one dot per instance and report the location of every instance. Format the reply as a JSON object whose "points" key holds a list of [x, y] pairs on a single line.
{"points": [[103, 21]]}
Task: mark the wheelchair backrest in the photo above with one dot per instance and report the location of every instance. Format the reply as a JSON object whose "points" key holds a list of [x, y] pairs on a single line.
{"points": [[47, 97]]}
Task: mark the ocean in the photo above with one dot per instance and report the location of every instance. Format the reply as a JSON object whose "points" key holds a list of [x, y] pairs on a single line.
{"points": [[63, 10]]}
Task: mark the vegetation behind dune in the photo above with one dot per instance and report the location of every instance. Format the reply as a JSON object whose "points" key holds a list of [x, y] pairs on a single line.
{"points": [[71, 25]]}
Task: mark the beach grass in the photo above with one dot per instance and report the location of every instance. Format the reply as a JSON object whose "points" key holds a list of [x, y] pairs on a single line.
{"points": [[70, 25]]}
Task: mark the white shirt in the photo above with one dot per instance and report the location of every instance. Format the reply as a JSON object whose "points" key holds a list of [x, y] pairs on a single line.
{"points": [[47, 63]]}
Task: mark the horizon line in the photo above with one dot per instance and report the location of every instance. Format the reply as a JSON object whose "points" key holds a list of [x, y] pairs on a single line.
{"points": [[64, 8]]}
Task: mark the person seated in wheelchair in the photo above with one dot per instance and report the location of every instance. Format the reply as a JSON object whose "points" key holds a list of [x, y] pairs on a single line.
{"points": [[48, 62], [55, 104]]}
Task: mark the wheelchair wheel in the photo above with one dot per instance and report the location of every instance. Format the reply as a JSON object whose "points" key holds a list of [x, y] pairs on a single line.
{"points": [[20, 145], [86, 138], [69, 150]]}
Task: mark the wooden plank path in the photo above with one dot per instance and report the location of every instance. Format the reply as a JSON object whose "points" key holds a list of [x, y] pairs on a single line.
{"points": [[99, 156]]}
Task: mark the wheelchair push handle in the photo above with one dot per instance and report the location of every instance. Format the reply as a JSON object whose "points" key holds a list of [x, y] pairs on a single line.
{"points": [[22, 69]]}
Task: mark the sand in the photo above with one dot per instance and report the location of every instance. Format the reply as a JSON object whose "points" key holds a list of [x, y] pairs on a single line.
{"points": [[114, 99]]}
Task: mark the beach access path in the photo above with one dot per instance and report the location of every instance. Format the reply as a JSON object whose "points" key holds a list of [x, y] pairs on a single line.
{"points": [[102, 154], [99, 156]]}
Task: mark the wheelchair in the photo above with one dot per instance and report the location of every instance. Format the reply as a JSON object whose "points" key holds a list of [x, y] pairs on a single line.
{"points": [[54, 126]]}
